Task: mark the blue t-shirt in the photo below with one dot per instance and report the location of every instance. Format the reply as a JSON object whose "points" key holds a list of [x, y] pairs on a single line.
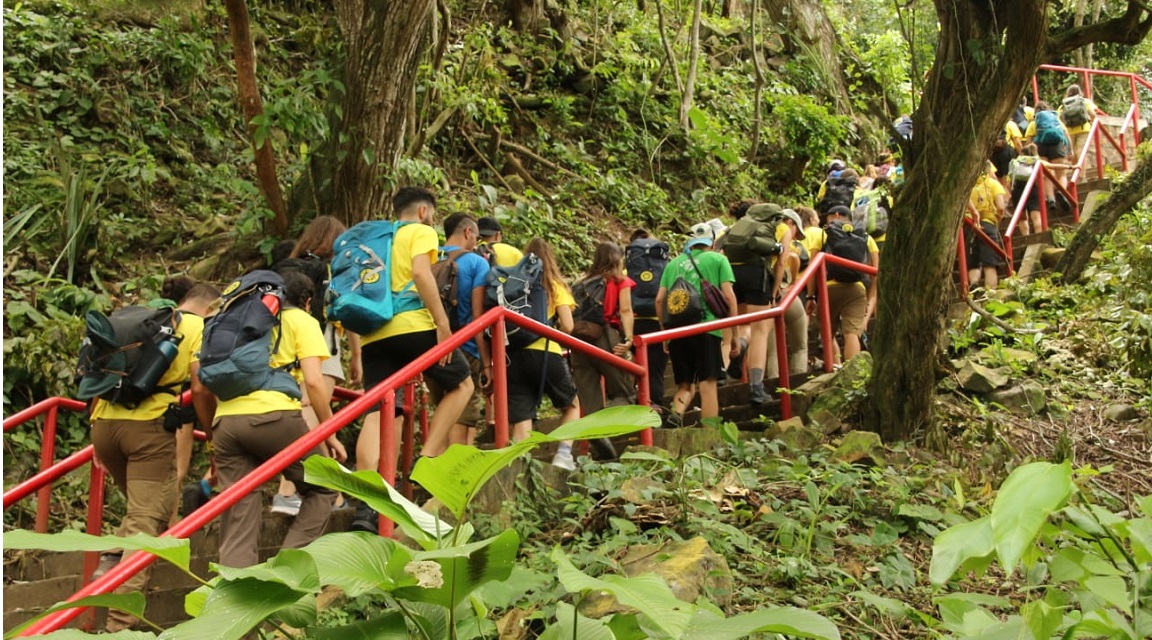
{"points": [[472, 272]]}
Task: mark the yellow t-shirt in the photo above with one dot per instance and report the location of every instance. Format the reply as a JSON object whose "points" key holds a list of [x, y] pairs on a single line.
{"points": [[558, 296], [300, 336], [813, 240], [411, 240], [191, 330], [984, 198], [506, 254], [1012, 134]]}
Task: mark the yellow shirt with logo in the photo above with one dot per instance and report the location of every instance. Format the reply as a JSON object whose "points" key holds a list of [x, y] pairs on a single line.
{"points": [[558, 296], [191, 331], [506, 254], [984, 198], [299, 336], [411, 240]]}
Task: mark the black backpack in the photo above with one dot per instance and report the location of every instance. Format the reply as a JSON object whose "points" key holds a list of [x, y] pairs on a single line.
{"points": [[124, 355], [1020, 117], [845, 241], [589, 295], [519, 288], [838, 194], [236, 354], [682, 304], [645, 260], [447, 275]]}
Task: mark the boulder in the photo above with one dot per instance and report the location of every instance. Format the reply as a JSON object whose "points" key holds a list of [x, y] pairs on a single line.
{"points": [[1121, 413], [803, 395], [1006, 355], [840, 399], [1027, 398], [861, 446], [1050, 256], [690, 567], [981, 379], [794, 435]]}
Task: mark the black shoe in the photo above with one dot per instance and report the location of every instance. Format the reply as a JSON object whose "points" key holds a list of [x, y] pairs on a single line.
{"points": [[604, 450], [194, 496], [366, 519], [1064, 201], [107, 561], [673, 420]]}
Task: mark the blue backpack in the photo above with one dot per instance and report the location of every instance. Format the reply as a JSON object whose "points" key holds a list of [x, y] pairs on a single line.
{"points": [[519, 288], [360, 294], [1048, 129]]}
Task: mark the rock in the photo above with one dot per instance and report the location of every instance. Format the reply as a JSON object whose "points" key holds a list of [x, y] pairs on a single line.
{"points": [[690, 567], [803, 395], [840, 399], [1050, 256], [780, 426], [1028, 398], [794, 435], [1146, 426], [1006, 355], [981, 379], [860, 446], [1121, 413]]}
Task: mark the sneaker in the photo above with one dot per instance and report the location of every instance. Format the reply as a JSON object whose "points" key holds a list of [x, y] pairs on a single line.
{"points": [[604, 449], [107, 561], [564, 460], [366, 519], [288, 505], [758, 394]]}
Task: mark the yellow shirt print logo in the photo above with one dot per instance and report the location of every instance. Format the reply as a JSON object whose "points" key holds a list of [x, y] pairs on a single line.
{"points": [[369, 276], [232, 287], [677, 301]]}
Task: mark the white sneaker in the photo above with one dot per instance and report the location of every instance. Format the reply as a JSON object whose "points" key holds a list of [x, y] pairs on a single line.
{"points": [[564, 460], [288, 505]]}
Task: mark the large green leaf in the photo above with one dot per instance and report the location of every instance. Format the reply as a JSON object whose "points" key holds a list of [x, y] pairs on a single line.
{"points": [[455, 476], [573, 626], [956, 545], [648, 594], [293, 567], [359, 562], [464, 568], [1028, 496], [388, 626], [789, 621], [1042, 618], [233, 609], [303, 613], [369, 487], [174, 550], [133, 603]]}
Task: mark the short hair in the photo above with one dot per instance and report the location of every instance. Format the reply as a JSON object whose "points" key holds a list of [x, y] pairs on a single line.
{"points": [[639, 234], [738, 209], [1073, 90], [850, 173], [457, 222], [282, 251], [1029, 149], [202, 291], [1043, 106], [809, 216], [408, 196], [298, 288], [174, 288]]}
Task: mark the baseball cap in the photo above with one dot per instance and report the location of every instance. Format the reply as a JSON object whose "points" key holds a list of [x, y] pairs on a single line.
{"points": [[837, 165], [703, 234], [794, 217], [488, 226], [840, 210]]}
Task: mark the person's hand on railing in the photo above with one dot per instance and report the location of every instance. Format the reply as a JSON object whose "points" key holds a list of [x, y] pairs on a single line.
{"points": [[355, 371]]}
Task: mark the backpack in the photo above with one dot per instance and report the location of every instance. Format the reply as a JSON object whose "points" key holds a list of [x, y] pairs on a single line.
{"points": [[447, 275], [588, 318], [682, 305], [838, 194], [237, 348], [850, 243], [1020, 117], [484, 250], [519, 288], [1048, 130], [902, 127], [644, 261], [1021, 168], [360, 292], [868, 215], [1075, 112], [125, 354], [751, 240]]}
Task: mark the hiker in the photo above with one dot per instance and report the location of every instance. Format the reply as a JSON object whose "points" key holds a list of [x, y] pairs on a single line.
{"points": [[612, 330], [837, 191], [136, 446], [697, 360], [646, 258], [201, 300], [1019, 171], [1077, 112], [314, 252], [1052, 145], [850, 301], [538, 369], [986, 205], [790, 232], [492, 246], [462, 235], [410, 334], [253, 427], [1007, 146]]}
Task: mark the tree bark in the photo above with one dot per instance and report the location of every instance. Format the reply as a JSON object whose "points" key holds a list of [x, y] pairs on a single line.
{"points": [[807, 30], [384, 42], [986, 54], [1124, 197], [758, 94], [244, 54], [693, 64]]}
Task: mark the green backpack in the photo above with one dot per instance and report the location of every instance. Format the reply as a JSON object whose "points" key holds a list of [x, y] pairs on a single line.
{"points": [[752, 240]]}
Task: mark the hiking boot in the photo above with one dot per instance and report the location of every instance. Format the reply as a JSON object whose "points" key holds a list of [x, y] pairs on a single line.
{"points": [[107, 561], [366, 519], [673, 420], [604, 449], [287, 505], [194, 496], [758, 394], [564, 460]]}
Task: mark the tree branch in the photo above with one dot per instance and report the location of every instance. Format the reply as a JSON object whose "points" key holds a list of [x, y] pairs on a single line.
{"points": [[1130, 28]]}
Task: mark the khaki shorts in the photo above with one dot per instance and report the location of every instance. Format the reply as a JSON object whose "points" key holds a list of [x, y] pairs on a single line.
{"points": [[848, 302]]}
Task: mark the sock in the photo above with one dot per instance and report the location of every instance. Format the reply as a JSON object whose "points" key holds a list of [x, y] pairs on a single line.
{"points": [[756, 377], [564, 448]]}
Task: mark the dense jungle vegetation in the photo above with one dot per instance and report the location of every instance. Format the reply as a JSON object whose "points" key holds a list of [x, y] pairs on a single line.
{"points": [[127, 157]]}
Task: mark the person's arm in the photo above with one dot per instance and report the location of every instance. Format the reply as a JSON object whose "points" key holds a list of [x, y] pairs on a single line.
{"points": [[733, 311], [781, 266], [661, 295], [564, 320], [481, 344], [203, 402], [425, 284], [355, 363], [627, 322], [317, 393], [1001, 206], [874, 259]]}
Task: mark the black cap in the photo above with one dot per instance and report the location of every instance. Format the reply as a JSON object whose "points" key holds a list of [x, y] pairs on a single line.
{"points": [[488, 226], [840, 210]]}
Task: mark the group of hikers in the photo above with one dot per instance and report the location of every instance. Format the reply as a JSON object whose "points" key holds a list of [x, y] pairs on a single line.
{"points": [[263, 356]]}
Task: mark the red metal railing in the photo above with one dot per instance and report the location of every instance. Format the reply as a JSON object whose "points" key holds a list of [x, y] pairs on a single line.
{"points": [[49, 408]]}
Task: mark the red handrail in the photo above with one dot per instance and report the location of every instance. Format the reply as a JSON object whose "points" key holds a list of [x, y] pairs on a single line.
{"points": [[51, 407]]}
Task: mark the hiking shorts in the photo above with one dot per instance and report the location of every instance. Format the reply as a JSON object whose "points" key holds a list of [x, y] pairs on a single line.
{"points": [[752, 284], [979, 253], [1052, 151], [1033, 203], [473, 415], [848, 302], [533, 374], [385, 357], [696, 358]]}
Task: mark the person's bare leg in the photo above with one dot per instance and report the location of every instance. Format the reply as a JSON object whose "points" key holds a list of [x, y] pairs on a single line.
{"points": [[709, 400], [521, 430], [991, 277], [449, 410]]}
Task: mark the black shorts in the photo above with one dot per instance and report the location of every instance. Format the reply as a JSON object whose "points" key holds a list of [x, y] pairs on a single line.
{"points": [[979, 253], [752, 284], [385, 357], [696, 358], [1052, 151], [1033, 203], [532, 374]]}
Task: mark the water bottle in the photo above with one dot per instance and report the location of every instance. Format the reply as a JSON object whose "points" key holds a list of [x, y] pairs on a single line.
{"points": [[154, 360], [272, 301]]}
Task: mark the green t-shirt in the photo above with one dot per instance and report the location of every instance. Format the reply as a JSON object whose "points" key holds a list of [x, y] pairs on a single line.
{"points": [[713, 266]]}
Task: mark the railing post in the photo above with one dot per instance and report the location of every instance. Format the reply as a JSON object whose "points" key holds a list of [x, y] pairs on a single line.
{"points": [[962, 261], [388, 452], [408, 434], [47, 457], [782, 360], [825, 317], [643, 392], [95, 527], [500, 383]]}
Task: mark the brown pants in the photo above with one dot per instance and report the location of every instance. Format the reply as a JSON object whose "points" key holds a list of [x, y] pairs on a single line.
{"points": [[619, 386], [244, 442], [141, 458]]}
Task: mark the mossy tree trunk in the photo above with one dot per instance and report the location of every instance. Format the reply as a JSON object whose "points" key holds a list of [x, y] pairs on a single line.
{"points": [[986, 54]]}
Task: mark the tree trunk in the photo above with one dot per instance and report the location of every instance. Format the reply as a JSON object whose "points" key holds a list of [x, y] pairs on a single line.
{"points": [[668, 51], [384, 42], [527, 16], [245, 57], [758, 95], [984, 59], [1124, 197], [693, 64]]}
